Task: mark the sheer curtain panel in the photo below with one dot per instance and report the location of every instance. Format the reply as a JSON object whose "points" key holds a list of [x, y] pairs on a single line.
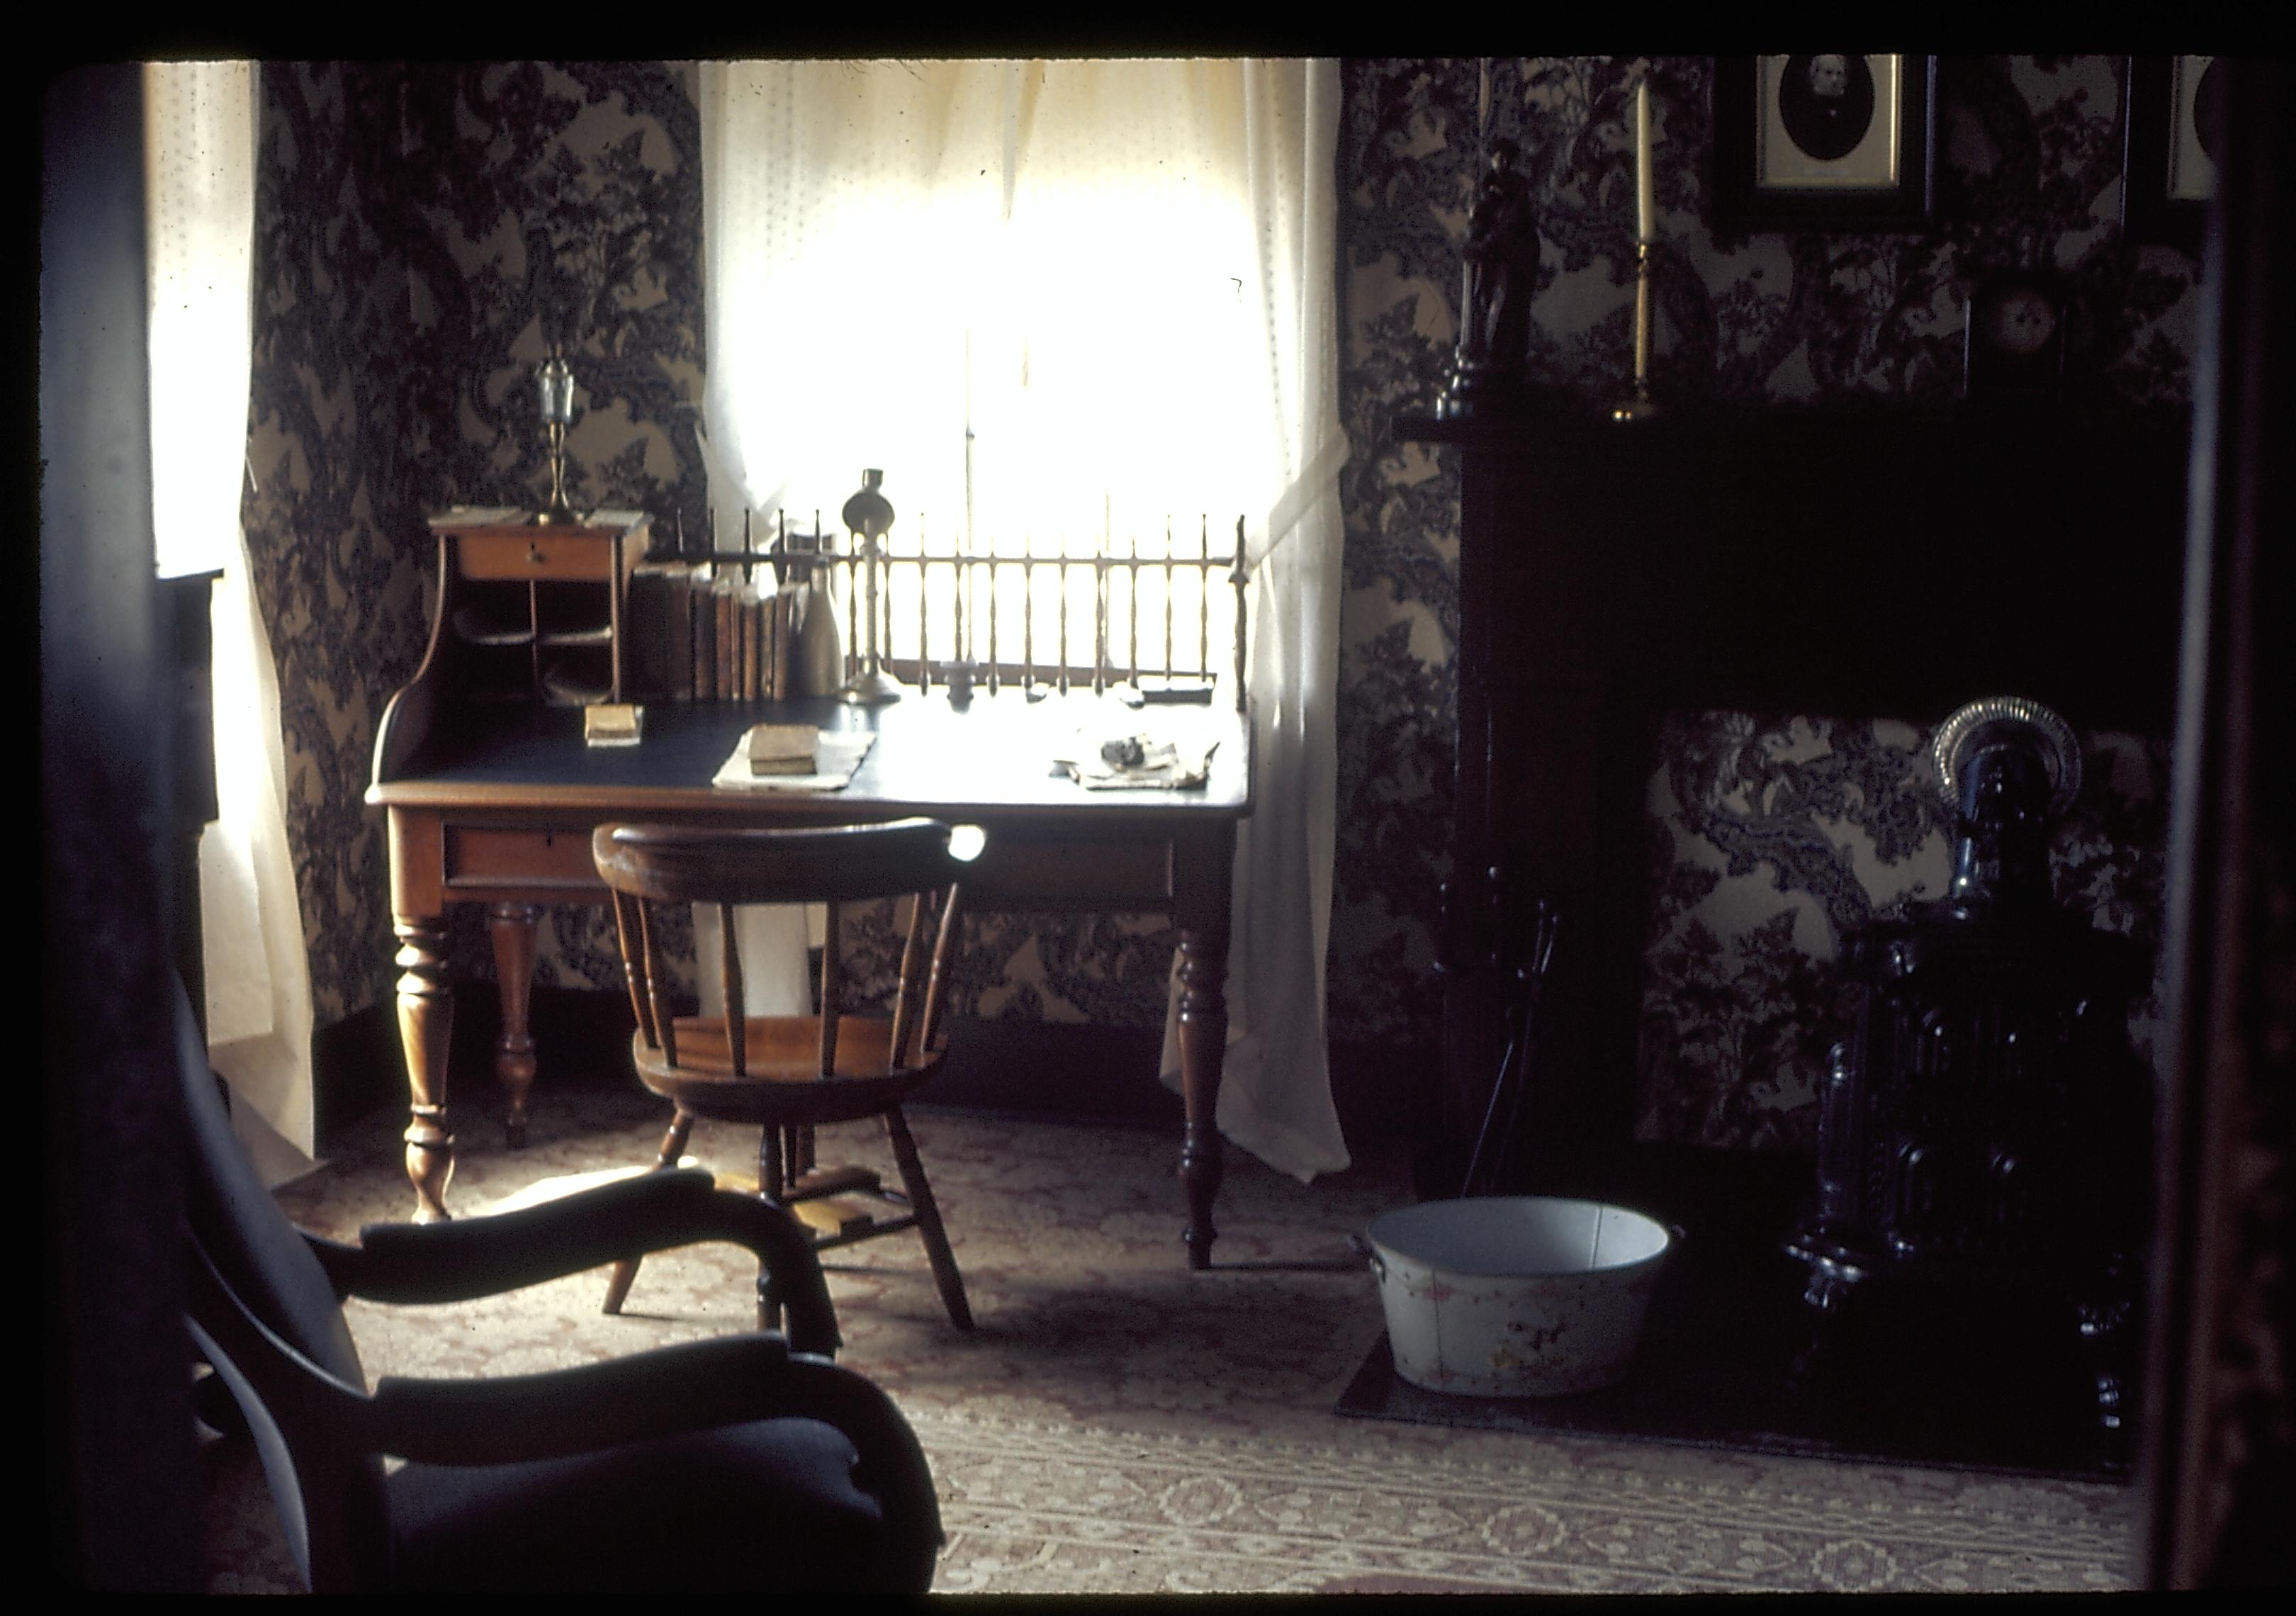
{"points": [[1068, 300], [201, 134]]}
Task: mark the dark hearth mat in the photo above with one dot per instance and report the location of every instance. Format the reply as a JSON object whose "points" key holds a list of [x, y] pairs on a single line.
{"points": [[1730, 1357]]}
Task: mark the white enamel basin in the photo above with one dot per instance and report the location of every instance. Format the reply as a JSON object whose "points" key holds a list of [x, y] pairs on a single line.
{"points": [[1515, 1295]]}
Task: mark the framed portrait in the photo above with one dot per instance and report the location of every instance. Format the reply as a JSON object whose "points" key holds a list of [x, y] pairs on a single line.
{"points": [[1823, 142], [2173, 121]]}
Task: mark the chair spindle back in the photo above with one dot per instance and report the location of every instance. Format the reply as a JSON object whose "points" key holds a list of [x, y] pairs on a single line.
{"points": [[645, 865]]}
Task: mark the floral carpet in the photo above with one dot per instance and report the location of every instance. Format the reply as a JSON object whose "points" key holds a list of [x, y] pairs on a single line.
{"points": [[1120, 1423]]}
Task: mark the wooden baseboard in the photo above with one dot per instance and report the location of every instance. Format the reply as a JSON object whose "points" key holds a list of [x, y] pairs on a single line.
{"points": [[1385, 1096]]}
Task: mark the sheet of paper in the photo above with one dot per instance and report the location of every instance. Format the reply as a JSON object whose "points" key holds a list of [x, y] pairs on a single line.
{"points": [[839, 755], [1161, 755]]}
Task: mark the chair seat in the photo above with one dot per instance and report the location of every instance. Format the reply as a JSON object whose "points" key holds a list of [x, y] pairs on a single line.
{"points": [[782, 1084], [766, 1505]]}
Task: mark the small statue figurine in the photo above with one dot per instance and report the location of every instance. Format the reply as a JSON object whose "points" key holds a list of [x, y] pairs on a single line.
{"points": [[1501, 273]]}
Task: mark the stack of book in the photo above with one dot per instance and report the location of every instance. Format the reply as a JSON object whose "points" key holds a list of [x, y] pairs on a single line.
{"points": [[709, 631]]}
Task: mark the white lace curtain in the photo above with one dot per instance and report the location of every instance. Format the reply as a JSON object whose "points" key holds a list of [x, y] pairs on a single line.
{"points": [[1112, 282], [200, 201]]}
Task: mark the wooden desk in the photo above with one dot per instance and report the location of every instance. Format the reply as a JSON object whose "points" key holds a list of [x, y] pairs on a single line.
{"points": [[494, 804]]}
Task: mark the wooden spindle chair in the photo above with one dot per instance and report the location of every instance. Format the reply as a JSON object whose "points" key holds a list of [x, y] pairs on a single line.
{"points": [[789, 1075]]}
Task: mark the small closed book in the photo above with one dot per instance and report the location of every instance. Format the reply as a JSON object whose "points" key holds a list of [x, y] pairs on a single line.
{"points": [[612, 723], [781, 749]]}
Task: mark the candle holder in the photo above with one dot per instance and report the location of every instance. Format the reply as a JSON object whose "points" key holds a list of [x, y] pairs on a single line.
{"points": [[1640, 405], [867, 516], [554, 384]]}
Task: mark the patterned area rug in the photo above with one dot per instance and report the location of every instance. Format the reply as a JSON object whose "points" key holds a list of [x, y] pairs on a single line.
{"points": [[1117, 1423]]}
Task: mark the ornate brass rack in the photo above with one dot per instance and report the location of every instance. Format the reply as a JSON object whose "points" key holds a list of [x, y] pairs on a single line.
{"points": [[1126, 656]]}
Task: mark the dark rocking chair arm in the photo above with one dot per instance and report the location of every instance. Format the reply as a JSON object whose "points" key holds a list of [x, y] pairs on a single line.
{"points": [[504, 1419], [472, 1257], [691, 1386], [695, 1385]]}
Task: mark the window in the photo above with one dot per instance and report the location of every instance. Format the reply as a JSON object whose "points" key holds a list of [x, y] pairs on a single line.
{"points": [[1068, 299], [1030, 294]]}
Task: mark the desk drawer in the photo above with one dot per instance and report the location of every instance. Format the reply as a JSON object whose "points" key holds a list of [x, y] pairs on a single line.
{"points": [[489, 855], [1026, 873], [494, 556]]}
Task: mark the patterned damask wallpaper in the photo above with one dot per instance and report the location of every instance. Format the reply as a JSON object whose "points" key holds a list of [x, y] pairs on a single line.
{"points": [[331, 431], [1768, 836], [424, 232], [422, 227], [1767, 832]]}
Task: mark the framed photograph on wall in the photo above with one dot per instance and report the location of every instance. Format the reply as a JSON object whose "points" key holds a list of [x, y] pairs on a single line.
{"points": [[1823, 142], [2173, 123]]}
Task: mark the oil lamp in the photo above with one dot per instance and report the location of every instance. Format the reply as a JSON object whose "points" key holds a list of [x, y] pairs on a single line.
{"points": [[555, 383]]}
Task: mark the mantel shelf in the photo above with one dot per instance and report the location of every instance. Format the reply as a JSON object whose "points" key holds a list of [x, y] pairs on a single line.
{"points": [[1914, 427]]}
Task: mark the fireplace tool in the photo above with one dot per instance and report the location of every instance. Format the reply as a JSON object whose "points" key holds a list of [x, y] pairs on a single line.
{"points": [[1494, 1143]]}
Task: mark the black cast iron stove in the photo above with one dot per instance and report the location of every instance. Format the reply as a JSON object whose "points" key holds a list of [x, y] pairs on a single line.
{"points": [[1984, 1137]]}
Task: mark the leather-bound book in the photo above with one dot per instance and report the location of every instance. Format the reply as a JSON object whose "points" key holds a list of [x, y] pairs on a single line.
{"points": [[778, 682], [752, 639], [651, 667], [702, 600], [725, 596]]}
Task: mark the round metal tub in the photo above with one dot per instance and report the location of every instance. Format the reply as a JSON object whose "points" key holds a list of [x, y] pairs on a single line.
{"points": [[1515, 1295]]}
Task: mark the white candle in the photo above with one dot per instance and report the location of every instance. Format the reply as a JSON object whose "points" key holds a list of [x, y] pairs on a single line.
{"points": [[1645, 203]]}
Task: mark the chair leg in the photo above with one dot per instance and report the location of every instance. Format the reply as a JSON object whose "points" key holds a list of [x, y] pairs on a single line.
{"points": [[928, 1216], [770, 1186], [673, 1146], [771, 1159]]}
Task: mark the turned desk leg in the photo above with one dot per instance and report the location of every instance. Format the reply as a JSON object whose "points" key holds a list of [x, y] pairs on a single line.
{"points": [[426, 1026], [512, 926], [1200, 909]]}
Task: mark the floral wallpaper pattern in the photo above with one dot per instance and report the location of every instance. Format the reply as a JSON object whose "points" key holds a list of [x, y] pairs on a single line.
{"points": [[340, 591], [416, 233], [1767, 833], [426, 230], [1770, 837]]}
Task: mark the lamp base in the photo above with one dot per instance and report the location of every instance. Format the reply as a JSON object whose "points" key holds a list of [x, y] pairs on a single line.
{"points": [[873, 688]]}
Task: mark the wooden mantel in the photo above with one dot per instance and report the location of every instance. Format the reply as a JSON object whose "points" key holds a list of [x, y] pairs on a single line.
{"points": [[1861, 561]]}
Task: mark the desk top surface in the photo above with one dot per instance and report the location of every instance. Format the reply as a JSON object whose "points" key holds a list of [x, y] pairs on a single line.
{"points": [[996, 755]]}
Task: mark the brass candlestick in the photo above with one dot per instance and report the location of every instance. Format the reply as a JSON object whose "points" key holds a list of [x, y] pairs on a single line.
{"points": [[1641, 406]]}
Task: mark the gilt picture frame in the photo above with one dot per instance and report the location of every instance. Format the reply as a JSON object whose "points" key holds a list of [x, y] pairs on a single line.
{"points": [[1823, 142], [2172, 120]]}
